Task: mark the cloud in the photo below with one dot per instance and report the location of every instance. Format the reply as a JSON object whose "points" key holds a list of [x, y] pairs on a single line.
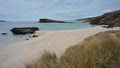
{"points": [[58, 9]]}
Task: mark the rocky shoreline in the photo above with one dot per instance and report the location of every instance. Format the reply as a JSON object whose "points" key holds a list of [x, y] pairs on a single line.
{"points": [[112, 19]]}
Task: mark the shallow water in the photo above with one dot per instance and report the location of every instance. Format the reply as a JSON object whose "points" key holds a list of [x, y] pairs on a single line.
{"points": [[6, 26]]}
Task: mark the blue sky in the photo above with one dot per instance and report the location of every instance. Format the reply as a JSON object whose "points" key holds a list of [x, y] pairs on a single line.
{"points": [[32, 10]]}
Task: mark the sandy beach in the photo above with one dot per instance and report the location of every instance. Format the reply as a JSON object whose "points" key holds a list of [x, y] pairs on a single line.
{"points": [[16, 55]]}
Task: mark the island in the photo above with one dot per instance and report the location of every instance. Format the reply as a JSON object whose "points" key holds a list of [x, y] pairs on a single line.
{"points": [[112, 19], [46, 20]]}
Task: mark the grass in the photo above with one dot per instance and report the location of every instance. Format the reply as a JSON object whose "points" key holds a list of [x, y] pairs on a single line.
{"points": [[47, 60], [98, 51]]}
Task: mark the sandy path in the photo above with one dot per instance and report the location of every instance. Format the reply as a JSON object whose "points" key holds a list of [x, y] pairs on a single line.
{"points": [[17, 54]]}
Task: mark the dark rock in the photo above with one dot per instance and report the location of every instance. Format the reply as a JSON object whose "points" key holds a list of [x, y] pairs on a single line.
{"points": [[45, 20], [117, 24], [27, 39], [111, 25], [35, 36], [24, 30], [2, 21], [3, 33]]}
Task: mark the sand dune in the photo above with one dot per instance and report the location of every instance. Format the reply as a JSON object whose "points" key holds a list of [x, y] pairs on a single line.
{"points": [[17, 54]]}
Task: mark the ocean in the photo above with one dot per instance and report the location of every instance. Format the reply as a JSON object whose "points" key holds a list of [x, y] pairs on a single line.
{"points": [[9, 37]]}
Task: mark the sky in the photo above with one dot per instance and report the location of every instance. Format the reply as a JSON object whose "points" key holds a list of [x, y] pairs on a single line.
{"points": [[33, 10]]}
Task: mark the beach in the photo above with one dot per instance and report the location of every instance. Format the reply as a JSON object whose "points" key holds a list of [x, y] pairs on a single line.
{"points": [[17, 54]]}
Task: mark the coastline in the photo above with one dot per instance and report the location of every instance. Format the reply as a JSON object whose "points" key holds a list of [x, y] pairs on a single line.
{"points": [[17, 54]]}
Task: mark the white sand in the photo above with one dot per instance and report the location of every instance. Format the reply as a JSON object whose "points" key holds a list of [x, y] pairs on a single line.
{"points": [[19, 53]]}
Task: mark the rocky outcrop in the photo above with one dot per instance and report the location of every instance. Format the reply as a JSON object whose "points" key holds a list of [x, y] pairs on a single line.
{"points": [[35, 36], [24, 30], [2, 21], [3, 33], [117, 24], [45, 20], [111, 19]]}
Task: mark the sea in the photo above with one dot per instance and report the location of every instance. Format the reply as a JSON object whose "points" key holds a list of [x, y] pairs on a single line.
{"points": [[9, 38]]}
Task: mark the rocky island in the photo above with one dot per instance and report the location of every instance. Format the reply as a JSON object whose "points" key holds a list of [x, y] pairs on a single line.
{"points": [[112, 19], [45, 20]]}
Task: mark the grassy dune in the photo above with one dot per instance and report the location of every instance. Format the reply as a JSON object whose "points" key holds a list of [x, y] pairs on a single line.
{"points": [[99, 51]]}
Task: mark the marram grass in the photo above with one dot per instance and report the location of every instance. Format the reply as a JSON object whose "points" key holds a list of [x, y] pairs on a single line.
{"points": [[98, 51]]}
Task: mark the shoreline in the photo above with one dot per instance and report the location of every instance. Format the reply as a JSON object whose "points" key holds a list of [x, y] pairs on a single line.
{"points": [[17, 54], [23, 39]]}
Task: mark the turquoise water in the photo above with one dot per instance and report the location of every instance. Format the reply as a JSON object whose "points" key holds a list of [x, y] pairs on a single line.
{"points": [[6, 26]]}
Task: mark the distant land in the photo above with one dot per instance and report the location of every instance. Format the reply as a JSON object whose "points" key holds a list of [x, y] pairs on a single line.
{"points": [[112, 19], [46, 20], [2, 21]]}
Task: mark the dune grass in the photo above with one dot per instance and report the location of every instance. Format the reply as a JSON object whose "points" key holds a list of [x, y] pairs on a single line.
{"points": [[98, 51], [47, 60]]}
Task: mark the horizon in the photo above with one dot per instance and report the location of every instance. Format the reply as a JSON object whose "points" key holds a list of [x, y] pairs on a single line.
{"points": [[33, 10]]}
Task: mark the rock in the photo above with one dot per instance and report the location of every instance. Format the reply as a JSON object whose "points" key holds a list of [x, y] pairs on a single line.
{"points": [[27, 39], [3, 33], [111, 25], [117, 24], [24, 30], [2, 21], [45, 20], [35, 36]]}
